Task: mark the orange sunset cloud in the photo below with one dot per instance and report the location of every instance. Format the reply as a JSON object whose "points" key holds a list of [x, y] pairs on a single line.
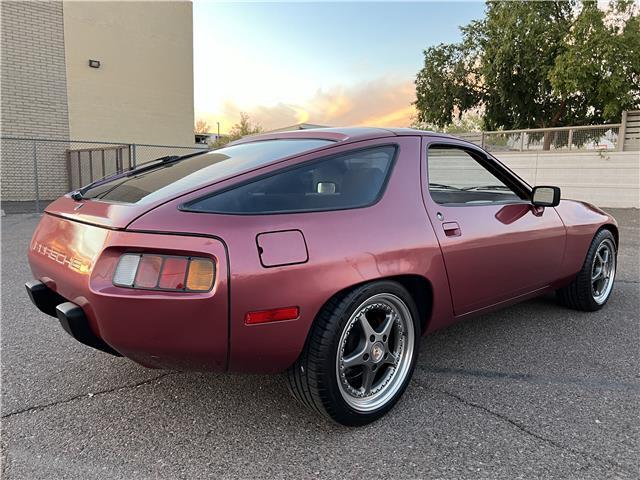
{"points": [[382, 102]]}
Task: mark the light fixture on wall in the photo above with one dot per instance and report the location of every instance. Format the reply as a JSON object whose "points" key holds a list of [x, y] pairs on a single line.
{"points": [[94, 63]]}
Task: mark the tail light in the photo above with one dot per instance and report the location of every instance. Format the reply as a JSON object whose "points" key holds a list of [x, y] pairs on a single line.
{"points": [[164, 272]]}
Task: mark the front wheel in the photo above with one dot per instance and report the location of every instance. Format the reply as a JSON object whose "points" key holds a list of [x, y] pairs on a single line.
{"points": [[360, 354], [592, 287]]}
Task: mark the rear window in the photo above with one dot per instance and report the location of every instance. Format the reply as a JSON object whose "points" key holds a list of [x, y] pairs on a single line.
{"points": [[351, 180], [190, 173]]}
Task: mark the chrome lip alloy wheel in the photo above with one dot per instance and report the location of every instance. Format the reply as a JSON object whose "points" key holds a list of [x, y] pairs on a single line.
{"points": [[603, 271], [375, 352]]}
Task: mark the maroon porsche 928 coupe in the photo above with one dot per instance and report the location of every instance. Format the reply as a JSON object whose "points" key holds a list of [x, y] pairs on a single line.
{"points": [[324, 253]]}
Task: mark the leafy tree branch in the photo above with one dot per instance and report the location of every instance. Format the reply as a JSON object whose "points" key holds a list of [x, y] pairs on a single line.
{"points": [[536, 64]]}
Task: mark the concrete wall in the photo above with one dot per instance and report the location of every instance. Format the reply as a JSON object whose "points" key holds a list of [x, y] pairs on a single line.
{"points": [[142, 93], [607, 179], [34, 96], [143, 90]]}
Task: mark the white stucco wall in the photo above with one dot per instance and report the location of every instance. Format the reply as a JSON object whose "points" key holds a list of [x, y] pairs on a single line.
{"points": [[607, 179], [143, 90]]}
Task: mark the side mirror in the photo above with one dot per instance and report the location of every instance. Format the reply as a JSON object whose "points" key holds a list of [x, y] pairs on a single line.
{"points": [[545, 196]]}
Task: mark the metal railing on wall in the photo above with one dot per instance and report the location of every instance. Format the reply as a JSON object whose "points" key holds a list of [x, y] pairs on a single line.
{"points": [[36, 171], [590, 137]]}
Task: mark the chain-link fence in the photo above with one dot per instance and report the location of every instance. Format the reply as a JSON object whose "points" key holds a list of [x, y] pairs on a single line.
{"points": [[600, 137], [36, 171]]}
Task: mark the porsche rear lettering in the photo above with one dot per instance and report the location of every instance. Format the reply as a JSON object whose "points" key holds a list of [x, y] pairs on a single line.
{"points": [[72, 263]]}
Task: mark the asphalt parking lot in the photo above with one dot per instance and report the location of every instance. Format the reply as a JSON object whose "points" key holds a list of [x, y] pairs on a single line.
{"points": [[535, 391]]}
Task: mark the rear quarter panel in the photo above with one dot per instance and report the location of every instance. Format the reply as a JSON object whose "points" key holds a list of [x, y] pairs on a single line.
{"points": [[345, 248]]}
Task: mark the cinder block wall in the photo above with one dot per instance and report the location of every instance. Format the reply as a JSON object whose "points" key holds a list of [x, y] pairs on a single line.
{"points": [[605, 179], [34, 98]]}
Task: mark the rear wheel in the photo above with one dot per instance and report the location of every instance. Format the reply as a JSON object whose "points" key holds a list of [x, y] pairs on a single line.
{"points": [[360, 354], [592, 287]]}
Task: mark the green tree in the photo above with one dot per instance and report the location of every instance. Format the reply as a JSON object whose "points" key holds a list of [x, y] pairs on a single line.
{"points": [[599, 72], [470, 121], [241, 129], [536, 64], [201, 126]]}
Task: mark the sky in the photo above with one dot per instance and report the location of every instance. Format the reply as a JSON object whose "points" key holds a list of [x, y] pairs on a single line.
{"points": [[325, 63]]}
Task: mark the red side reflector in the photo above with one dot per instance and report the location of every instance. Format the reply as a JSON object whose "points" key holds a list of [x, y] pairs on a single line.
{"points": [[275, 315]]}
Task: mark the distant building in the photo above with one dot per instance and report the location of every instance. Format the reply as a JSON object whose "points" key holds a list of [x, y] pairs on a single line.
{"points": [[299, 126], [207, 138], [98, 71]]}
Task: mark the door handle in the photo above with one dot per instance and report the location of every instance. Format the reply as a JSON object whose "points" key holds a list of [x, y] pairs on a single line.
{"points": [[451, 229]]}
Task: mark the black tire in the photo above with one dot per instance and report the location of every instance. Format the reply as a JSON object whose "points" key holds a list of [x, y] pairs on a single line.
{"points": [[313, 378], [579, 294]]}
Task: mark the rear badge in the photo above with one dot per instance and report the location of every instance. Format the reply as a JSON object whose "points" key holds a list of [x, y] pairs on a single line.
{"points": [[72, 263]]}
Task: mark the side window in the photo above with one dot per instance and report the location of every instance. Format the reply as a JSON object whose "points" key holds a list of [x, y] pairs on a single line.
{"points": [[456, 177], [350, 180]]}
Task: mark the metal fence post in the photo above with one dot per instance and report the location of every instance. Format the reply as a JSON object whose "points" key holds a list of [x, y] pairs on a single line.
{"points": [[133, 155], [570, 139], [622, 132], [35, 176], [482, 139]]}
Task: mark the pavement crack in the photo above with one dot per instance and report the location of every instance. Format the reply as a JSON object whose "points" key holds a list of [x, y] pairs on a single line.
{"points": [[595, 383], [524, 429], [120, 388]]}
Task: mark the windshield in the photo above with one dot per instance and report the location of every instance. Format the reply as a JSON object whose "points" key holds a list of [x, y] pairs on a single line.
{"points": [[188, 174]]}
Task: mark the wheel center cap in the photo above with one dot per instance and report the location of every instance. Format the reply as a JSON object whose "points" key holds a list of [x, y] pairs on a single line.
{"points": [[377, 352]]}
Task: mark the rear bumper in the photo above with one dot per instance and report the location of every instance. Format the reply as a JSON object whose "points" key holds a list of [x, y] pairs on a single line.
{"points": [[70, 315], [43, 297], [157, 329]]}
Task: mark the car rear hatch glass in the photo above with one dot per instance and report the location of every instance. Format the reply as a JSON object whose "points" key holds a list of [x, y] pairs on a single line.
{"points": [[175, 177], [116, 201]]}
